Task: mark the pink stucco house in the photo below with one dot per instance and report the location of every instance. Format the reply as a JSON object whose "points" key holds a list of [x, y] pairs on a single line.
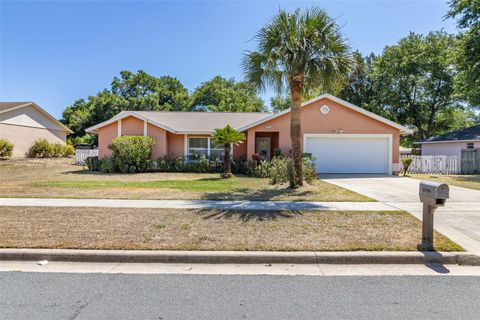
{"points": [[344, 138]]}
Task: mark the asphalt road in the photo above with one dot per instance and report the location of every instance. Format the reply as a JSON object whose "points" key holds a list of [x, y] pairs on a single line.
{"points": [[119, 296]]}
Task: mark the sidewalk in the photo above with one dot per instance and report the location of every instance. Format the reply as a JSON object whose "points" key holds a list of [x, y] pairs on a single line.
{"points": [[197, 204]]}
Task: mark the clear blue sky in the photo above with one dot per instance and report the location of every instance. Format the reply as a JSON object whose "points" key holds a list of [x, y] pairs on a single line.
{"points": [[56, 52]]}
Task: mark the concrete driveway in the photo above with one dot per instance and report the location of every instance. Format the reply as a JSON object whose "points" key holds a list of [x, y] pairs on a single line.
{"points": [[459, 219]]}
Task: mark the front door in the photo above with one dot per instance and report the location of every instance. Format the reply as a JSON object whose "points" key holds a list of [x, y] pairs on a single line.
{"points": [[262, 147]]}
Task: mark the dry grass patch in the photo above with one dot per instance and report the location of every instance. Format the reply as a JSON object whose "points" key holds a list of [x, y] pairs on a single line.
{"points": [[179, 229], [470, 181], [59, 178]]}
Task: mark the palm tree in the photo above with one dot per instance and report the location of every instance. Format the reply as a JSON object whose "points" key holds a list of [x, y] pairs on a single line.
{"points": [[227, 136], [303, 51]]}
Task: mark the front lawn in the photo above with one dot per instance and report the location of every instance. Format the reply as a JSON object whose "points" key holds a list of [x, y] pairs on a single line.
{"points": [[471, 181], [202, 229], [59, 178]]}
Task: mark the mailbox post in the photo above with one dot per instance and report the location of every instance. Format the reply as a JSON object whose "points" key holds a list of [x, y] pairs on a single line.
{"points": [[432, 195]]}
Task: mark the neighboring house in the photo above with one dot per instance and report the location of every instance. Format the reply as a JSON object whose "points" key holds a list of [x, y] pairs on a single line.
{"points": [[24, 122], [344, 138], [452, 143]]}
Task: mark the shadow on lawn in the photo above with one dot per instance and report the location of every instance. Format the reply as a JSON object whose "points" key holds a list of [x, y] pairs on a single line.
{"points": [[256, 194], [247, 215]]}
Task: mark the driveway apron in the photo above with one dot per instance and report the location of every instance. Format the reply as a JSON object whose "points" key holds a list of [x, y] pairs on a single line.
{"points": [[459, 219]]}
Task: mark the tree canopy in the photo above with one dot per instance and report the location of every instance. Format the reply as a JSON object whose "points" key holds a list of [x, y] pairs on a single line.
{"points": [[467, 13], [143, 92], [222, 95]]}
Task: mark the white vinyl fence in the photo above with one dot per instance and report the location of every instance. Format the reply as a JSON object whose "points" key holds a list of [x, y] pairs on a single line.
{"points": [[433, 164], [82, 154]]}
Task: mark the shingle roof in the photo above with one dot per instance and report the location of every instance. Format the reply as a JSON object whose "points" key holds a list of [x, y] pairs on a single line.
{"points": [[191, 122], [10, 105], [203, 121], [471, 133]]}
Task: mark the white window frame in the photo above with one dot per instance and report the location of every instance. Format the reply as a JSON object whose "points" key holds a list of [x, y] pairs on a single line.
{"points": [[209, 149], [470, 145]]}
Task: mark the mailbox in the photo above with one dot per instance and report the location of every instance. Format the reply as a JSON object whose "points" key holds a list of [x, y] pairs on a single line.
{"points": [[432, 195]]}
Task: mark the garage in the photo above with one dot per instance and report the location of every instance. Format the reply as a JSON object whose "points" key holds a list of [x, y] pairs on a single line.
{"points": [[350, 153]]}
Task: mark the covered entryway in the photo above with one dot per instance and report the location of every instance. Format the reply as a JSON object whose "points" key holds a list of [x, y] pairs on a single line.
{"points": [[350, 153]]}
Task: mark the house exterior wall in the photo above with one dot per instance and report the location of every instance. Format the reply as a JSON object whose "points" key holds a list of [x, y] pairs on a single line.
{"points": [[22, 137], [446, 148], [313, 121], [23, 126], [105, 136], [176, 144], [160, 148]]}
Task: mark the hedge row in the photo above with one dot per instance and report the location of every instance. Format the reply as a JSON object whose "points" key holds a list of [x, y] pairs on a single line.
{"points": [[43, 149]]}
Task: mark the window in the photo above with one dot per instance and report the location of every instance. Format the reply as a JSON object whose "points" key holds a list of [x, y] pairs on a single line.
{"points": [[216, 150], [203, 146], [197, 147], [470, 145]]}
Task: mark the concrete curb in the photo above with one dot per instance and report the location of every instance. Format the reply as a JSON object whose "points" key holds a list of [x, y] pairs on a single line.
{"points": [[239, 257]]}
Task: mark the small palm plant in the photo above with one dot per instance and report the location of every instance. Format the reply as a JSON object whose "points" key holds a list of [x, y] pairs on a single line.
{"points": [[227, 136]]}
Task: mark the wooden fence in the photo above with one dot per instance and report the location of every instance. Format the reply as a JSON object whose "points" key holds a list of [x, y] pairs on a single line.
{"points": [[433, 164], [82, 154], [471, 161]]}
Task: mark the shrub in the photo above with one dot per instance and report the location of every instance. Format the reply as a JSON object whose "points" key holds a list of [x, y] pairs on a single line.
{"points": [[308, 168], [291, 174], [6, 148], [106, 166], [278, 153], [132, 153], [93, 164], [43, 149], [258, 169], [40, 149], [278, 170], [67, 151], [56, 150], [240, 165], [406, 163]]}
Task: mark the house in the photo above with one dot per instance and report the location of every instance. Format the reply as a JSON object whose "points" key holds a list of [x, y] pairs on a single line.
{"points": [[22, 123], [344, 138], [452, 143]]}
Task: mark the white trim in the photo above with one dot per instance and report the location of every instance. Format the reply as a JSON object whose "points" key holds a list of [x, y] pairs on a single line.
{"points": [[344, 103], [448, 141], [145, 128], [125, 114], [119, 127], [389, 138], [185, 146]]}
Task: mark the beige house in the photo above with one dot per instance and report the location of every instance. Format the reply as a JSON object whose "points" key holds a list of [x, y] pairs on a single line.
{"points": [[22, 123]]}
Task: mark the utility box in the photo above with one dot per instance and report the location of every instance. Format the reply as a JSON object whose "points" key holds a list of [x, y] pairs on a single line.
{"points": [[432, 195]]}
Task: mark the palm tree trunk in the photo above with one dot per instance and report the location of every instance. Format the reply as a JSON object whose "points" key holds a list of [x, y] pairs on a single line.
{"points": [[296, 88], [227, 170]]}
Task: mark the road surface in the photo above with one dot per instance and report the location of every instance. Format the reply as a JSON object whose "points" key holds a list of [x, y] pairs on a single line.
{"points": [[52, 296]]}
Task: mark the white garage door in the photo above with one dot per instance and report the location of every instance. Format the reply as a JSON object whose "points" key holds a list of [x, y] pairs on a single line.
{"points": [[349, 154]]}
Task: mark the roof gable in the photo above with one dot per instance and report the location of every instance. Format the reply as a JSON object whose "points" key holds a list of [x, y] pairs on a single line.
{"points": [[403, 129], [6, 107]]}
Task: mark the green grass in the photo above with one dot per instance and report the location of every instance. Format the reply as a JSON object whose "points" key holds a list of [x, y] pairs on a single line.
{"points": [[470, 181], [205, 184]]}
